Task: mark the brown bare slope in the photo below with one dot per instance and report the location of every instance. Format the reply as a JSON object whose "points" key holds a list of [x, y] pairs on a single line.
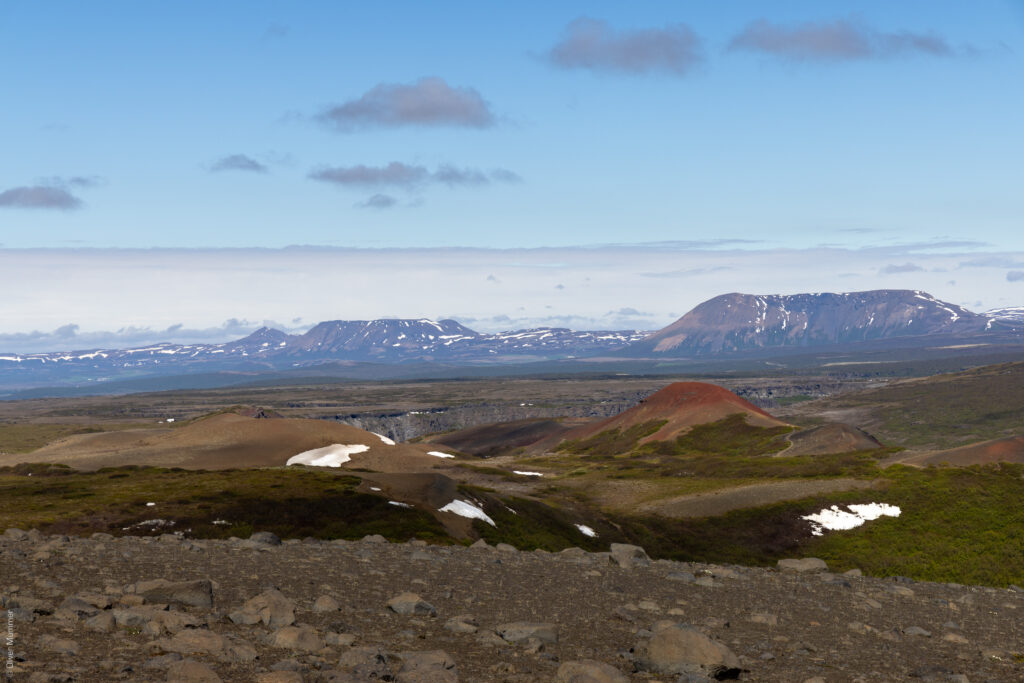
{"points": [[1009, 449], [681, 405], [494, 439], [228, 441], [830, 438]]}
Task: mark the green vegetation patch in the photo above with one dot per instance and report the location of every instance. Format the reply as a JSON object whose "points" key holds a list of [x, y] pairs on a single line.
{"points": [[611, 441], [730, 436], [25, 437], [290, 502]]}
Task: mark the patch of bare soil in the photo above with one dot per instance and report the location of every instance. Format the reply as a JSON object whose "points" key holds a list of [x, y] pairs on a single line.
{"points": [[715, 503], [481, 615], [829, 439], [1010, 449], [229, 441]]}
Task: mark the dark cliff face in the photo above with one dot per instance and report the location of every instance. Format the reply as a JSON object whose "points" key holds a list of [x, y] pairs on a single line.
{"points": [[738, 322]]}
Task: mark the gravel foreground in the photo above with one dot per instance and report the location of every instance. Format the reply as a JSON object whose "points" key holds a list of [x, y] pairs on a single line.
{"points": [[173, 609]]}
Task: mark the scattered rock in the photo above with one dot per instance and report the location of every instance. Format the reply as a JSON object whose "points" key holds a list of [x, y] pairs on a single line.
{"points": [[265, 537], [190, 671], [197, 593], [300, 638], [589, 671], [326, 603], [464, 623], [682, 649], [803, 565], [271, 607], [520, 631], [628, 556], [410, 603]]}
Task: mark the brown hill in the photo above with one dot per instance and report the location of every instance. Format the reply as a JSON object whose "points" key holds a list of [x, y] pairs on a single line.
{"points": [[1009, 449], [489, 440], [682, 405], [830, 438], [229, 440]]}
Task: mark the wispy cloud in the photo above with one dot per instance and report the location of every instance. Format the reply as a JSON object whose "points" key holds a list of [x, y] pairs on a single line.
{"points": [[427, 102], [893, 269], [378, 201], [237, 162], [594, 44], [409, 176], [840, 40], [1015, 276], [39, 197], [70, 337]]}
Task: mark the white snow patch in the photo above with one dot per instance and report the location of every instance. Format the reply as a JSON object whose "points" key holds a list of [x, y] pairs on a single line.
{"points": [[383, 438], [586, 530], [149, 505], [439, 454], [464, 509], [170, 419], [374, 488], [527, 474], [399, 504], [834, 519], [334, 455], [221, 522]]}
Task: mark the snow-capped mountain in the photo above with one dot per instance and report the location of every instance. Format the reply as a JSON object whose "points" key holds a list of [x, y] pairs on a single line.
{"points": [[389, 340], [1012, 314], [738, 322]]}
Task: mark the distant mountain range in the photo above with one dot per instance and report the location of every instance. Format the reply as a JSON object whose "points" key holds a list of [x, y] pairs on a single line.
{"points": [[725, 325], [742, 322]]}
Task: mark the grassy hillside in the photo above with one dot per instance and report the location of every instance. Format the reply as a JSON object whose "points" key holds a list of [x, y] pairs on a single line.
{"points": [[959, 525]]}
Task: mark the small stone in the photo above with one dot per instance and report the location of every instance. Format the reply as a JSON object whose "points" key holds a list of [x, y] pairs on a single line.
{"points": [[60, 646], [917, 631], [766, 619], [955, 638], [326, 603], [522, 630], [464, 623]]}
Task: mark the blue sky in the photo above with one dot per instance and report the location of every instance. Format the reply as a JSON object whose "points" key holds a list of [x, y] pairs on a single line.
{"points": [[802, 126]]}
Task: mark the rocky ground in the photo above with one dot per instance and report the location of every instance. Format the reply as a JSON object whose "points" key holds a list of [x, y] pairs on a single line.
{"points": [[172, 609]]}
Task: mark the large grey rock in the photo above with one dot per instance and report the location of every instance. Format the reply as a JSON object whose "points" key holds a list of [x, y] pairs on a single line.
{"points": [[410, 603], [426, 667], [198, 593], [299, 638], [60, 646], [589, 671], [682, 649], [519, 631], [194, 641], [628, 556], [803, 565], [265, 537], [14, 534], [271, 607]]}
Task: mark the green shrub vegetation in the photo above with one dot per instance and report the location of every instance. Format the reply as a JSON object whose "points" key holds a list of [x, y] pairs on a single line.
{"points": [[611, 441]]}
